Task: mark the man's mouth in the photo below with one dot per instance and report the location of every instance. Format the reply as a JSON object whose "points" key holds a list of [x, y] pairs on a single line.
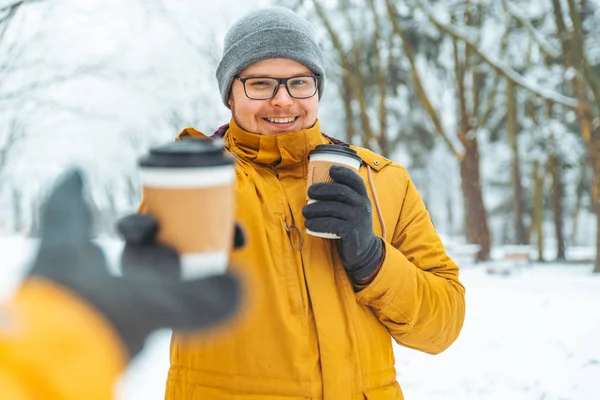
{"points": [[284, 120]]}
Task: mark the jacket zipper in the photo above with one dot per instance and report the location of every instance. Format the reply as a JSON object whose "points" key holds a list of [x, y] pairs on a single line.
{"points": [[296, 302]]}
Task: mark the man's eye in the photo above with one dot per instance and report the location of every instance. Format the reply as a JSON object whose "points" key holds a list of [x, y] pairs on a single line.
{"points": [[299, 82], [260, 83]]}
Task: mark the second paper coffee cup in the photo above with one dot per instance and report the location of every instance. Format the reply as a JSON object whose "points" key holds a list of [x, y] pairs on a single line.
{"points": [[188, 186], [321, 158]]}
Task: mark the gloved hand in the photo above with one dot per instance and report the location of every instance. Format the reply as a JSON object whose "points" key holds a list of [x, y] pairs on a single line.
{"points": [[136, 305], [142, 254], [344, 208]]}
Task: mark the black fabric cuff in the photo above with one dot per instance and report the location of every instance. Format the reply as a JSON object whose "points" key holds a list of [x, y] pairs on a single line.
{"points": [[368, 262]]}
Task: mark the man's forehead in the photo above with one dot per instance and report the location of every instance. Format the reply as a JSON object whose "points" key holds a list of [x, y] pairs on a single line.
{"points": [[277, 68]]}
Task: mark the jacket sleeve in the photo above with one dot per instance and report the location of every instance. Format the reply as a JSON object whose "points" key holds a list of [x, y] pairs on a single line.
{"points": [[55, 346], [417, 294]]}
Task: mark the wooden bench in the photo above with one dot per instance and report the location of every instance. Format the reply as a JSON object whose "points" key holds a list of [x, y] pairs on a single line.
{"points": [[513, 257], [517, 254]]}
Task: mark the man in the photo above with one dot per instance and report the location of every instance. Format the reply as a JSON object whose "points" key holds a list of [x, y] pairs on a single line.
{"points": [[72, 327], [324, 311]]}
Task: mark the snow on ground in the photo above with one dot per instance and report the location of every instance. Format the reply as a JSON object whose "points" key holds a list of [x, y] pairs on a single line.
{"points": [[533, 334]]}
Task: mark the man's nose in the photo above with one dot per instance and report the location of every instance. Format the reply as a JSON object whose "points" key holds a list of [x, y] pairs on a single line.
{"points": [[282, 98]]}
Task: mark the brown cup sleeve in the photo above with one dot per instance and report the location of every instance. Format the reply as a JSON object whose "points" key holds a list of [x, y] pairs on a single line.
{"points": [[318, 171]]}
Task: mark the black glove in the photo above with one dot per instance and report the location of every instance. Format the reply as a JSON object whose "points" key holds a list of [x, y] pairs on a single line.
{"points": [[136, 305], [143, 255], [344, 208]]}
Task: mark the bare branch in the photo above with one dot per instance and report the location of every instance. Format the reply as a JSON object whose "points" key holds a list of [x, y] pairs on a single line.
{"points": [[57, 106], [588, 73], [351, 72], [15, 133], [44, 83], [547, 48], [381, 84], [500, 67], [491, 98], [416, 79], [490, 102], [11, 5], [6, 19], [202, 51]]}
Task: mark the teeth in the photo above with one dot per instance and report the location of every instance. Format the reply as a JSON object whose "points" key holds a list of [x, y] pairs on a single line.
{"points": [[281, 120]]}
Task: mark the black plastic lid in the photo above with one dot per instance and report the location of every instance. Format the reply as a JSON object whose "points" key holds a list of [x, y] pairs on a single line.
{"points": [[335, 149], [187, 153]]}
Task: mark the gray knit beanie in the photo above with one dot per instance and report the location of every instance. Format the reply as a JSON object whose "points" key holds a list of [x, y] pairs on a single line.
{"points": [[276, 32]]}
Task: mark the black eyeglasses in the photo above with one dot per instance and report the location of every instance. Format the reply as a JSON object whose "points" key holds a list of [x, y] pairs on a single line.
{"points": [[263, 88]]}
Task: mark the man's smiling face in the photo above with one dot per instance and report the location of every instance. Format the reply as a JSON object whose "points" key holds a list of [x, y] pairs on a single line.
{"points": [[279, 114]]}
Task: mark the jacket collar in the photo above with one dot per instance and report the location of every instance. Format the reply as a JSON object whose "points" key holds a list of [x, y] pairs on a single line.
{"points": [[280, 151]]}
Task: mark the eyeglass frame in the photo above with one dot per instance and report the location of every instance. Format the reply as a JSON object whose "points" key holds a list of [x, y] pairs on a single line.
{"points": [[280, 81]]}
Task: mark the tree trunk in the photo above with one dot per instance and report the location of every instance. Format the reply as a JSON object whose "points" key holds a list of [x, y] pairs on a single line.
{"points": [[18, 225], [574, 56], [538, 209], [512, 131], [579, 193], [450, 215], [476, 226], [35, 225], [556, 199], [595, 160], [597, 263]]}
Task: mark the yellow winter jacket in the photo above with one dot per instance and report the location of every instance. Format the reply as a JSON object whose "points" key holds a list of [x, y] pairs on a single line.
{"points": [[307, 334], [55, 346]]}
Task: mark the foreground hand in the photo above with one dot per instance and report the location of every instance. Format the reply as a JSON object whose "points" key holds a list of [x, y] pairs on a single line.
{"points": [[143, 254], [135, 305]]}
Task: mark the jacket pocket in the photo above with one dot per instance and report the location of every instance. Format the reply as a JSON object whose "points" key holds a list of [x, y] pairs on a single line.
{"points": [[177, 390], [206, 393], [389, 392]]}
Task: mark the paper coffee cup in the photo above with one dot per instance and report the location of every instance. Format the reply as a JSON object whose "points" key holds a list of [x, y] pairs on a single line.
{"points": [[188, 186], [321, 159]]}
